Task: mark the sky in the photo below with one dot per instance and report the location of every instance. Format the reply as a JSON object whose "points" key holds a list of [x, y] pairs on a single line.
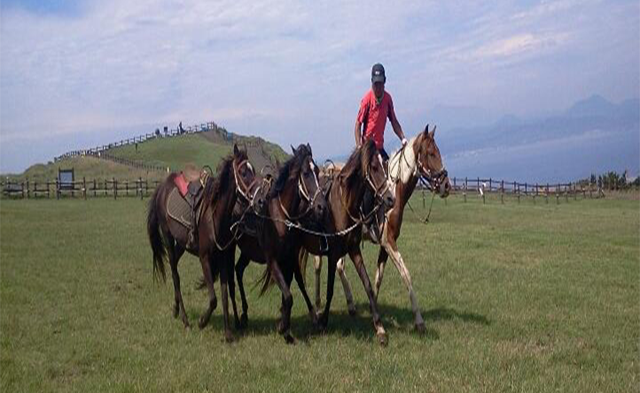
{"points": [[78, 73]]}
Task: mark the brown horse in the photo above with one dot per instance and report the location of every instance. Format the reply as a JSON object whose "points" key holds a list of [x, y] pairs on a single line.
{"points": [[294, 202], [420, 158], [364, 171], [234, 182]]}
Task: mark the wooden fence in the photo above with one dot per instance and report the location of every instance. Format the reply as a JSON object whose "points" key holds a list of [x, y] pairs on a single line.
{"points": [[79, 189], [467, 188], [98, 151], [482, 187]]}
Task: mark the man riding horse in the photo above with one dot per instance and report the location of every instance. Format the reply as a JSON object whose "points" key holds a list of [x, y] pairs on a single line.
{"points": [[375, 107]]}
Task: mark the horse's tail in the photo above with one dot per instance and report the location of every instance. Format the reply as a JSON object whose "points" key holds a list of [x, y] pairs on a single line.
{"points": [[303, 257], [155, 237], [266, 279]]}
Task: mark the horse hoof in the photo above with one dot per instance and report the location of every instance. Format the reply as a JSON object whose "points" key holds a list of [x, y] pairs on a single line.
{"points": [[383, 340], [288, 338], [244, 321], [420, 328], [202, 323], [353, 312]]}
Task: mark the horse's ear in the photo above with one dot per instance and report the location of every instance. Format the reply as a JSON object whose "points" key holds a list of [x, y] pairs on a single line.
{"points": [[293, 149], [426, 129], [309, 146], [236, 151], [432, 132]]}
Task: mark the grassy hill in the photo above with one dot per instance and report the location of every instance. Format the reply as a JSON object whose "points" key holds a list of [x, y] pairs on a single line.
{"points": [[89, 167], [206, 148]]}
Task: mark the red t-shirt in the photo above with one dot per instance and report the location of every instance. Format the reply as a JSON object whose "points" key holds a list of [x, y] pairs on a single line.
{"points": [[374, 116]]}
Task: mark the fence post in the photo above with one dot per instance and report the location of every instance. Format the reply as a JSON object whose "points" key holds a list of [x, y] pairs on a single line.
{"points": [[558, 194], [28, 191], [126, 187], [575, 195], [566, 192], [502, 192], [115, 189], [57, 190], [94, 187], [84, 187], [464, 192], [518, 192], [141, 194], [546, 195]]}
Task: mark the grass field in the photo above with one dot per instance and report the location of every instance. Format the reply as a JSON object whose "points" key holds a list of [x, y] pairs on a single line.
{"points": [[515, 297]]}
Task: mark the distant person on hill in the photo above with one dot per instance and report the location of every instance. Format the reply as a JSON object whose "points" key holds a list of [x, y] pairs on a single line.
{"points": [[180, 129], [375, 107]]}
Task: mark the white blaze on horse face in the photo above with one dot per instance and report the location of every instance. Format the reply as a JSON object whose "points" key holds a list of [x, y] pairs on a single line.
{"points": [[313, 170]]}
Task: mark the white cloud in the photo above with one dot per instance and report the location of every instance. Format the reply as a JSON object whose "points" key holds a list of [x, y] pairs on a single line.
{"points": [[296, 66]]}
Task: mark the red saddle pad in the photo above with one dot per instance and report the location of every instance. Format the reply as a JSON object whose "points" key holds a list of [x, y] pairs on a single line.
{"points": [[181, 183]]}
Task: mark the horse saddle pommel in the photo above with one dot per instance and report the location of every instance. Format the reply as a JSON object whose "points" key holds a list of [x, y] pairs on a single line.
{"points": [[189, 180]]}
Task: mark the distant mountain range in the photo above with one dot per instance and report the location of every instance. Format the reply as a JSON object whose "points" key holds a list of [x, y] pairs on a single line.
{"points": [[594, 135]]}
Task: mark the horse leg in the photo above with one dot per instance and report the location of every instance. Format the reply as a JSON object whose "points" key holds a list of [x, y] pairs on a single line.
{"points": [[287, 299], [318, 269], [356, 257], [232, 292], [243, 261], [331, 278], [205, 261], [175, 253], [347, 287], [303, 289], [392, 249], [382, 262], [224, 279]]}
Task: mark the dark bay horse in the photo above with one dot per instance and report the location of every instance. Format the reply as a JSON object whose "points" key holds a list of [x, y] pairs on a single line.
{"points": [[364, 171], [301, 169], [419, 158], [294, 201], [233, 183]]}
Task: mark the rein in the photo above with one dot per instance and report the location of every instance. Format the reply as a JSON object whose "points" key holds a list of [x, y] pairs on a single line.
{"points": [[244, 193]]}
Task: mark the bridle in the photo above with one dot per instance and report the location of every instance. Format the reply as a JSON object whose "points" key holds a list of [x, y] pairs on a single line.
{"points": [[377, 190], [381, 189], [435, 179], [241, 188], [303, 192]]}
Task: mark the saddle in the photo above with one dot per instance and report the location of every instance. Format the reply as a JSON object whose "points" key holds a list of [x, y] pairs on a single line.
{"points": [[184, 204]]}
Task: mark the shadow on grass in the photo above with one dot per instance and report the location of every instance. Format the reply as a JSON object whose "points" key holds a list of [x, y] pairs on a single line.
{"points": [[395, 320]]}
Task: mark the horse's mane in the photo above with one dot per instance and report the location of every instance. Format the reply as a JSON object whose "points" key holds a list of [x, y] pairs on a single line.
{"points": [[290, 168], [358, 162], [220, 185]]}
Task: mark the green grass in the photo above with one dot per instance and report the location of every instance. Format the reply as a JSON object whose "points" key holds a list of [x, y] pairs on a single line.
{"points": [[175, 152], [199, 149], [88, 167], [515, 298]]}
